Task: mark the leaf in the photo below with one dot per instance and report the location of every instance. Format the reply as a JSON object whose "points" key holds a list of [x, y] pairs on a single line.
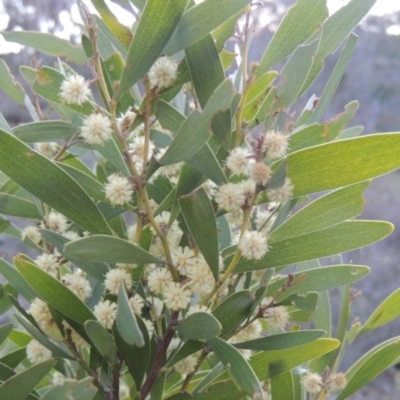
{"points": [[343, 163], [224, 232], [13, 358], [201, 19], [387, 311], [205, 68], [54, 292], [207, 73], [156, 25], [322, 317], [105, 248], [36, 334], [107, 44], [6, 291], [233, 310], [112, 153], [121, 32], [20, 338], [49, 183], [48, 44], [92, 186], [102, 340], [294, 74], [5, 331], [29, 74], [115, 65], [199, 326], [6, 372], [16, 280], [326, 211], [18, 207], [241, 372], [204, 160], [268, 364], [130, 354], [282, 386], [44, 131], [301, 307], [334, 80], [4, 124], [4, 224], [77, 390], [224, 390], [157, 391], [199, 216], [126, 322], [194, 132], [227, 58], [189, 347], [369, 366], [97, 270], [340, 238], [48, 85], [299, 23], [169, 117], [257, 93], [351, 132], [8, 84], [225, 31], [315, 134], [281, 340], [20, 385], [335, 30]]}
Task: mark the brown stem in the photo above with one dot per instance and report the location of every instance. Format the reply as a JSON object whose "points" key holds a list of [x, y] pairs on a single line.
{"points": [[38, 108], [67, 144], [189, 377], [160, 355], [161, 235], [146, 115], [115, 382], [71, 345]]}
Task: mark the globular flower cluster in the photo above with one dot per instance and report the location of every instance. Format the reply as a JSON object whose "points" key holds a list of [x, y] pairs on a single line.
{"points": [[275, 144], [114, 279], [75, 90], [282, 194], [36, 352], [230, 197], [259, 173], [277, 317], [48, 149], [49, 263], [313, 383], [106, 313], [41, 313], [96, 129], [253, 245], [32, 232], [57, 222], [118, 190], [163, 73], [238, 161], [78, 284]]}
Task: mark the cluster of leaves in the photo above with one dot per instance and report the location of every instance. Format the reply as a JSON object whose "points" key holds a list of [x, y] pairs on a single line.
{"points": [[187, 302]]}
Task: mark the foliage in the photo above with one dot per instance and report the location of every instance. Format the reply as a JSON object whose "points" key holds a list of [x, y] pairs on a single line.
{"points": [[210, 292]]}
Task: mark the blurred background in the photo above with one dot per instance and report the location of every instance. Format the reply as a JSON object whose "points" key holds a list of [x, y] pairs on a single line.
{"points": [[372, 78]]}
